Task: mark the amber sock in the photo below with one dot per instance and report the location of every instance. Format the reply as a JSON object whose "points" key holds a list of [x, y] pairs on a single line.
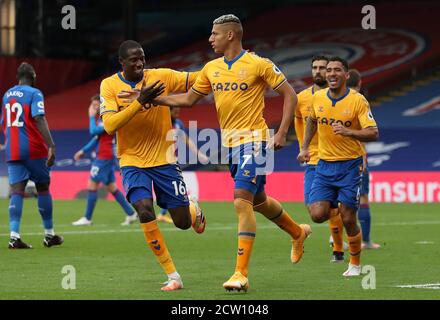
{"points": [[155, 240], [337, 230], [247, 227]]}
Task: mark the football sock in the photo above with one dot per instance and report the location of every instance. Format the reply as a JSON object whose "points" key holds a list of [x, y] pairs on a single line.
{"points": [[273, 210], [46, 211], [122, 202], [336, 230], [15, 212], [49, 232], [174, 275], [92, 197], [354, 246], [247, 227], [155, 240], [164, 212], [364, 217]]}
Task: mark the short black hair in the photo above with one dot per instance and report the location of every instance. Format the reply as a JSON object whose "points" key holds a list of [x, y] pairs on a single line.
{"points": [[354, 78], [96, 97], [127, 45], [25, 71], [317, 58], [341, 60]]}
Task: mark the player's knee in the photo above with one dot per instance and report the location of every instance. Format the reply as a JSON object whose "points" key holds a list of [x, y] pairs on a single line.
{"points": [[364, 199], [181, 217], [184, 223], [18, 187], [349, 220], [42, 187], [145, 213], [318, 217], [112, 187], [239, 205], [351, 226]]}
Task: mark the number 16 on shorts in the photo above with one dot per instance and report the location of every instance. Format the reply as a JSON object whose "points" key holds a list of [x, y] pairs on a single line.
{"points": [[179, 188]]}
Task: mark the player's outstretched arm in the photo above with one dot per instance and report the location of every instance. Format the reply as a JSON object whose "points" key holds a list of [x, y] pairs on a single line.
{"points": [[78, 155], [43, 128], [290, 100], [115, 120], [91, 145], [184, 100], [363, 135]]}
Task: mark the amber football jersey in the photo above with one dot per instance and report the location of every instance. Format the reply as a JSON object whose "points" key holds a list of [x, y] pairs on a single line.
{"points": [[238, 87], [351, 110], [143, 141]]}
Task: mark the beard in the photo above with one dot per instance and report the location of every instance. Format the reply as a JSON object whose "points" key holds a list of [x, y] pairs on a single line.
{"points": [[320, 82]]}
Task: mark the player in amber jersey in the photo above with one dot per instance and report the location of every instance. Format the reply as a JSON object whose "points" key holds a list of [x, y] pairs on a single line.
{"points": [[238, 81], [145, 155], [342, 119], [302, 111]]}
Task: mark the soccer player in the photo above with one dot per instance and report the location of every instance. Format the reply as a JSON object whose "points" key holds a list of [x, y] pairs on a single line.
{"points": [[354, 81], [103, 168], [238, 81], [343, 120], [302, 111], [145, 156], [182, 140], [30, 152]]}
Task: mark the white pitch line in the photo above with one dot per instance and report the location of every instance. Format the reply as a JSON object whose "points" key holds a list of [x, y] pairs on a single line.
{"points": [[432, 286], [314, 225], [216, 226], [122, 230]]}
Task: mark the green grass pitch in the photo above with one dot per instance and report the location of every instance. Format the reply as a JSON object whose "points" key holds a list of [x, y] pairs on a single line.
{"points": [[114, 262]]}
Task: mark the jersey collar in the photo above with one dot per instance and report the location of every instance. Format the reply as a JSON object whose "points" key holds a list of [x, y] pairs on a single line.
{"points": [[131, 83], [334, 101], [231, 62]]}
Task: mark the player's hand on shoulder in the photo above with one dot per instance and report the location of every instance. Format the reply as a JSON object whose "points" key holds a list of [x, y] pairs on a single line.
{"points": [[50, 156], [148, 93]]}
